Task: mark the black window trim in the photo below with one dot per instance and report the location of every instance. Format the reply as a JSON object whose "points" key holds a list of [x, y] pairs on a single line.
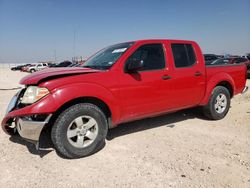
{"points": [[164, 53], [190, 66]]}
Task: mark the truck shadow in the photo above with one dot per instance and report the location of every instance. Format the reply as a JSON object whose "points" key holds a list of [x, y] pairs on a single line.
{"points": [[169, 120], [45, 145]]}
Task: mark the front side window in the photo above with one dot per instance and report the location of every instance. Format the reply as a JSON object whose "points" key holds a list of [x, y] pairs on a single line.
{"points": [[107, 57], [184, 55], [152, 56]]}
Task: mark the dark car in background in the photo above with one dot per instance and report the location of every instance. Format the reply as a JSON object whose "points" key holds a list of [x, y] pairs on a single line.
{"points": [[19, 67], [237, 60], [209, 58], [220, 61], [247, 56], [232, 60], [62, 64]]}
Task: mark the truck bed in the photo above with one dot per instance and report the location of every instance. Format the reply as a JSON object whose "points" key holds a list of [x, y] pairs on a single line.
{"points": [[236, 71]]}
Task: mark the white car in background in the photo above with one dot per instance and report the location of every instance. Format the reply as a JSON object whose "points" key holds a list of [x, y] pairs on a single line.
{"points": [[37, 67]]}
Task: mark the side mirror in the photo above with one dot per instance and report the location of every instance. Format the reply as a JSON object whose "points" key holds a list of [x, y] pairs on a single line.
{"points": [[134, 65]]}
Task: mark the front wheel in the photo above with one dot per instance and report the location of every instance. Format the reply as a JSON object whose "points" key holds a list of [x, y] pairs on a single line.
{"points": [[79, 131], [218, 105]]}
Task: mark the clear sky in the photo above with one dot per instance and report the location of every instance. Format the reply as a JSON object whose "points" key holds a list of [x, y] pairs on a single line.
{"points": [[34, 30]]}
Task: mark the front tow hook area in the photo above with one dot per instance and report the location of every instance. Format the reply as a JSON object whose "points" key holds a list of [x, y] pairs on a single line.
{"points": [[31, 130]]}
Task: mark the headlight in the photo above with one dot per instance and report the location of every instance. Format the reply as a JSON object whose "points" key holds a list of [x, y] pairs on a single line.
{"points": [[33, 94]]}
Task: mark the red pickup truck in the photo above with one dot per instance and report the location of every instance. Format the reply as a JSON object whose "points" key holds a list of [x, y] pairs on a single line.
{"points": [[120, 83]]}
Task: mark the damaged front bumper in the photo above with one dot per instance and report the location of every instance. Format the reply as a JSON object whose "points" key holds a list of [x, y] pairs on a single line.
{"points": [[28, 121], [29, 129]]}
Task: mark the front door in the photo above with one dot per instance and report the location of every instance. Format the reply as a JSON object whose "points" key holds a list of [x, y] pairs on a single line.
{"points": [[146, 91]]}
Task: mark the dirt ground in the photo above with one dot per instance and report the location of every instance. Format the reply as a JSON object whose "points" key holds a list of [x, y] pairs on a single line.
{"points": [[176, 150]]}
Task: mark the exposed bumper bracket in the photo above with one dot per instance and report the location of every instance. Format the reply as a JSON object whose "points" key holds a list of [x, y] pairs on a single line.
{"points": [[31, 130]]}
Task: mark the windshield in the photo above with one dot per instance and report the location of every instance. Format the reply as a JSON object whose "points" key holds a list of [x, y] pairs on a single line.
{"points": [[107, 57]]}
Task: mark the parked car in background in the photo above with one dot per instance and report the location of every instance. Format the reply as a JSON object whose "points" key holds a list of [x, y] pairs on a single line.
{"points": [[19, 67], [25, 68], [209, 58], [237, 60], [77, 64], [74, 65], [247, 56], [37, 67], [218, 62], [232, 60], [62, 64], [121, 83]]}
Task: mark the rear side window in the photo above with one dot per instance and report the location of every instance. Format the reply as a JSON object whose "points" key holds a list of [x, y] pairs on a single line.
{"points": [[184, 55], [152, 56]]}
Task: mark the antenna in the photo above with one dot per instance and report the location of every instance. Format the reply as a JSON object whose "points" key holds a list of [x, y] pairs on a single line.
{"points": [[55, 55], [74, 44]]}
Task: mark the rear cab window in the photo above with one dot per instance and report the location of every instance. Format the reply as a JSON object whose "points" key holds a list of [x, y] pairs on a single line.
{"points": [[184, 55]]}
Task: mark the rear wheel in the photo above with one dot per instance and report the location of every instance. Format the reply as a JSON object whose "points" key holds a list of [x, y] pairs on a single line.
{"points": [[218, 105], [32, 70], [79, 131]]}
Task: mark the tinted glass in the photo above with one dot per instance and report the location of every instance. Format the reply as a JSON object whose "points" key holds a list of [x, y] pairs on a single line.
{"points": [[184, 55], [152, 56], [191, 54]]}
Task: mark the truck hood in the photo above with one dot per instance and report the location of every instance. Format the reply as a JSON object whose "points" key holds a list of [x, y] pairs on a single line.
{"points": [[51, 73]]}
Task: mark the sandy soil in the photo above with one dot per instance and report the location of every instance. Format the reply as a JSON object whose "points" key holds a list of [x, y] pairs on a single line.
{"points": [[176, 150]]}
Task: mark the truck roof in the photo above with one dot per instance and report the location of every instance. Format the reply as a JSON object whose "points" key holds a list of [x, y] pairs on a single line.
{"points": [[166, 40]]}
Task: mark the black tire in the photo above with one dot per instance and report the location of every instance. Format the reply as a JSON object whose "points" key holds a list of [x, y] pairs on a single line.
{"points": [[210, 109], [64, 121], [32, 70]]}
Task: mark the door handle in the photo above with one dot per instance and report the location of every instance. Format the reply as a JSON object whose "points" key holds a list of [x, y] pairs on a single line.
{"points": [[166, 77], [198, 73]]}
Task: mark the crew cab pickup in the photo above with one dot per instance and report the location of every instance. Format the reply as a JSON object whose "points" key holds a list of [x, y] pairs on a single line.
{"points": [[120, 83]]}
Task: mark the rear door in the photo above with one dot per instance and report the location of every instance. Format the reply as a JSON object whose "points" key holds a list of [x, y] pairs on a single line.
{"points": [[188, 74]]}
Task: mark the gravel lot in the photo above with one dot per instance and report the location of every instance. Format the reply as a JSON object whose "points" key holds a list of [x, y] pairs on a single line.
{"points": [[176, 150]]}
